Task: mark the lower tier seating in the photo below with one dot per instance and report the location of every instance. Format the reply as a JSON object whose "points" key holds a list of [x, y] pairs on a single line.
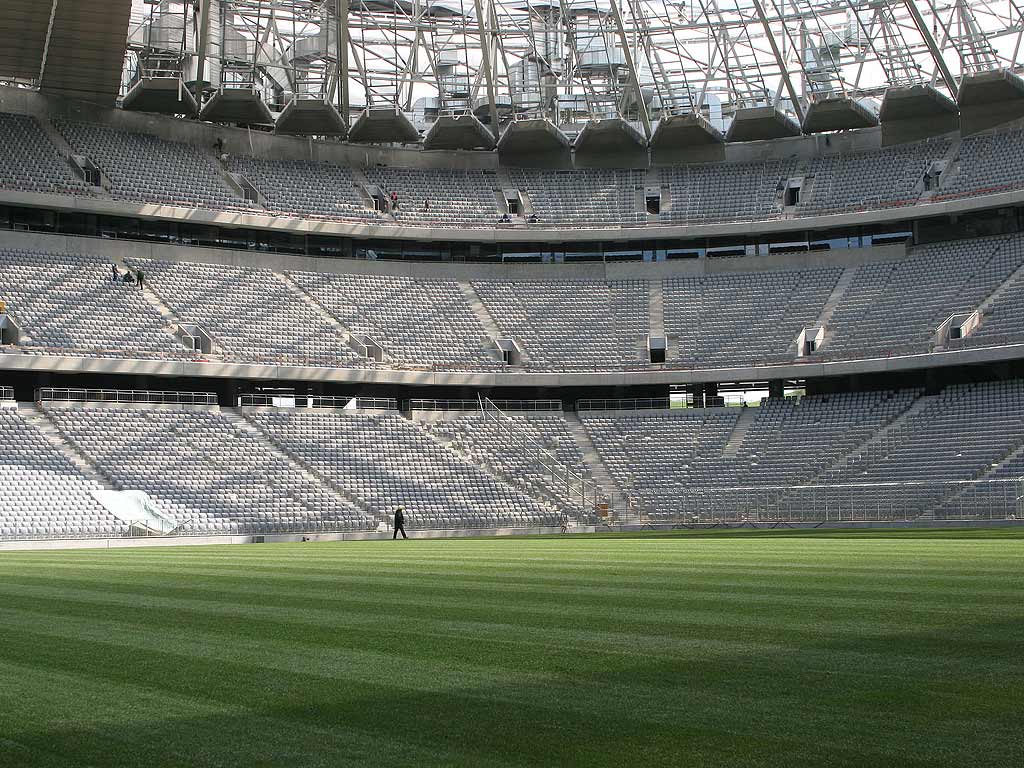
{"points": [[887, 455]]}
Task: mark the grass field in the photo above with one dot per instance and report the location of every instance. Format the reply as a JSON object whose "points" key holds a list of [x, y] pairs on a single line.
{"points": [[691, 650]]}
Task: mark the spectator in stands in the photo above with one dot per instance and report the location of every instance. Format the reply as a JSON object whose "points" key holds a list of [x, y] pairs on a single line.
{"points": [[394, 201], [426, 205], [139, 278], [114, 273], [128, 277], [399, 523]]}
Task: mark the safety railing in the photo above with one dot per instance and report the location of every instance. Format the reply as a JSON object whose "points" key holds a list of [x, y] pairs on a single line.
{"points": [[6, 393], [318, 401], [539, 406], [627, 404], [55, 394], [566, 486], [995, 499]]}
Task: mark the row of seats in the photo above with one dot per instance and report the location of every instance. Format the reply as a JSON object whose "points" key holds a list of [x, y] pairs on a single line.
{"points": [[68, 304], [145, 168], [858, 455]]}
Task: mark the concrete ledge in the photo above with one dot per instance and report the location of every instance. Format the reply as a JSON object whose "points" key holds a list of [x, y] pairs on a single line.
{"points": [[534, 143], [163, 95], [241, 106], [494, 379], [820, 525], [383, 125], [310, 117], [759, 123], [988, 99], [915, 112], [612, 143], [837, 114], [458, 132]]}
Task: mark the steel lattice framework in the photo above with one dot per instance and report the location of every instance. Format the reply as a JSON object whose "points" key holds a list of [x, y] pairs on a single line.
{"points": [[573, 60]]}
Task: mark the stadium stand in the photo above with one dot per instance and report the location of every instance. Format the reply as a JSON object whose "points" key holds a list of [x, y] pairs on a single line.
{"points": [[146, 168], [425, 322], [439, 197], [383, 460], [253, 315], [726, 192], [740, 319], [870, 180], [70, 304], [584, 197], [571, 324], [42, 493], [987, 163], [203, 469], [30, 162], [302, 188]]}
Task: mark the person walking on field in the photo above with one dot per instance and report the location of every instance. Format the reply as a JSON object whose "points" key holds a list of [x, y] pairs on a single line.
{"points": [[399, 523]]}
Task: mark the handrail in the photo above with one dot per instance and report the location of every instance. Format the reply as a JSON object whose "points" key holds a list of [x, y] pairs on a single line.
{"points": [[624, 404], [6, 393], [576, 486], [425, 404], [47, 394]]}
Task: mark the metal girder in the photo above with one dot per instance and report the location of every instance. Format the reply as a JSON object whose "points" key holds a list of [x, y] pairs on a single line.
{"points": [[933, 48], [634, 81], [783, 69], [485, 54]]}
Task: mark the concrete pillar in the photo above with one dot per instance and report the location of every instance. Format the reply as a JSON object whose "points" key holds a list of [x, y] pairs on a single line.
{"points": [[776, 388]]}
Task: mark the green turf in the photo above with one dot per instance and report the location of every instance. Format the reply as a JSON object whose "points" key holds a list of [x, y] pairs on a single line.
{"points": [[694, 650]]}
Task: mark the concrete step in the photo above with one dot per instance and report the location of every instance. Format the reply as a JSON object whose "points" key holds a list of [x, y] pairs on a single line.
{"points": [[656, 302], [838, 291], [598, 470], [483, 315], [739, 431], [303, 295], [38, 418]]}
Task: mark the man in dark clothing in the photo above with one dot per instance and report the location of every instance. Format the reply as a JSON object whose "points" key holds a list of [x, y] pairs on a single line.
{"points": [[139, 278], [114, 272], [399, 523]]}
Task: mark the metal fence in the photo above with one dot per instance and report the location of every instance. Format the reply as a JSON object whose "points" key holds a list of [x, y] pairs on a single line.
{"points": [[631, 404], [998, 499], [319, 401], [539, 406], [6, 393], [47, 394]]}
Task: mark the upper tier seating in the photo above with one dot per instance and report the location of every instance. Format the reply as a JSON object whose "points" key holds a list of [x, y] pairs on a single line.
{"points": [[988, 162], [582, 198], [143, 167], [870, 180], [41, 492], [203, 470], [439, 197], [29, 161], [725, 191], [302, 188]]}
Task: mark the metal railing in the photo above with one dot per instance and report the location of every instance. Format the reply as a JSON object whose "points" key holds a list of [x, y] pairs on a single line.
{"points": [[318, 401], [6, 393], [995, 499], [47, 394], [627, 404], [539, 406], [566, 485]]}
